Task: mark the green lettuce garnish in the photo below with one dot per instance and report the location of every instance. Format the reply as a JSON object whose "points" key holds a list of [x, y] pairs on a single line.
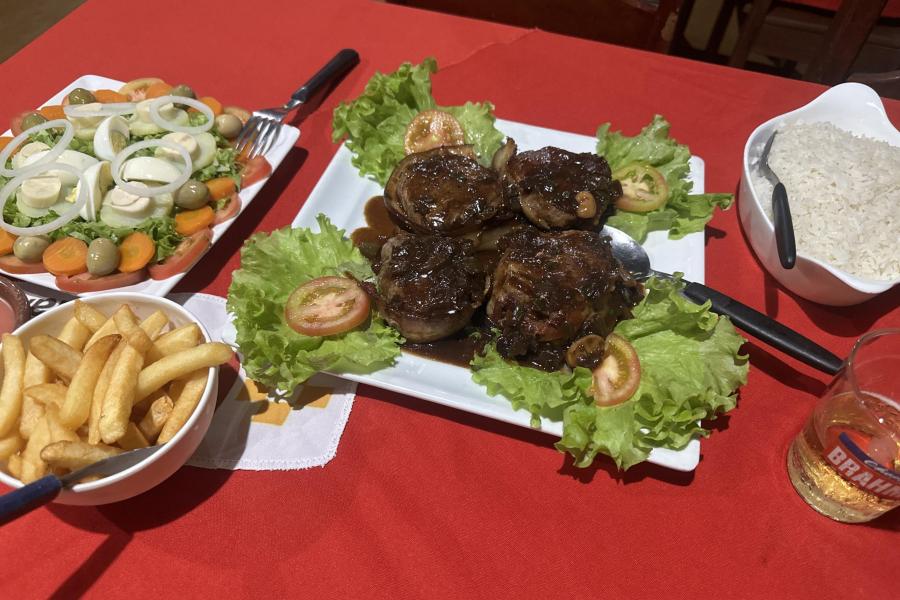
{"points": [[684, 212], [691, 367], [272, 266], [224, 164], [375, 123]]}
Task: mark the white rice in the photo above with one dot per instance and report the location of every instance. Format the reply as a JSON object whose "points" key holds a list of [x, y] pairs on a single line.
{"points": [[844, 194]]}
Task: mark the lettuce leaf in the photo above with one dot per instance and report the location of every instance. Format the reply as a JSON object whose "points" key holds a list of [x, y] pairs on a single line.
{"points": [[691, 367], [272, 266], [375, 123], [684, 212]]}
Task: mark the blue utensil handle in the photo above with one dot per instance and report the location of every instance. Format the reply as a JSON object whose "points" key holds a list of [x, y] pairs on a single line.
{"points": [[342, 62], [767, 329], [25, 499], [784, 227]]}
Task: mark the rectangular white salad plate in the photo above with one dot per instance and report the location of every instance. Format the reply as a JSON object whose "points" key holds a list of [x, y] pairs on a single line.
{"points": [[286, 140], [341, 194]]}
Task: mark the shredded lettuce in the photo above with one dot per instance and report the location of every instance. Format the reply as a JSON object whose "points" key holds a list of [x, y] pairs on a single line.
{"points": [[691, 368], [224, 164], [684, 212], [272, 266], [375, 123]]}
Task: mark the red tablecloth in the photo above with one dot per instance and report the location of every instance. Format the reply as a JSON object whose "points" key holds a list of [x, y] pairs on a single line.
{"points": [[422, 501], [891, 9]]}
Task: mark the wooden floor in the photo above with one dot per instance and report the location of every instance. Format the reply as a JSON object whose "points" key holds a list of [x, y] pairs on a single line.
{"points": [[23, 20]]}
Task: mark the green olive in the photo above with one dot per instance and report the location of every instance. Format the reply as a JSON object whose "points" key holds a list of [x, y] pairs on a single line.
{"points": [[182, 90], [32, 119], [102, 257], [228, 125], [30, 248], [193, 194], [81, 96]]}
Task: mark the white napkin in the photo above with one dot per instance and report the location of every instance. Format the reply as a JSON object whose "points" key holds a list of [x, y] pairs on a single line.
{"points": [[257, 430]]}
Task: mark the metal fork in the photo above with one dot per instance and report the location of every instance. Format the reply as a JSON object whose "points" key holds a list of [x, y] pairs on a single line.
{"points": [[262, 129]]}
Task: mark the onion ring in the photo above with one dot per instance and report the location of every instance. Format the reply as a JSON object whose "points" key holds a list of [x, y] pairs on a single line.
{"points": [[77, 111], [169, 125], [51, 155], [30, 171], [148, 191]]}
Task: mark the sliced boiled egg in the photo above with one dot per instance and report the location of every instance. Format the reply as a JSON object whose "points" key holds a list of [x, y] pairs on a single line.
{"points": [[150, 168], [99, 180], [111, 137], [20, 157]]}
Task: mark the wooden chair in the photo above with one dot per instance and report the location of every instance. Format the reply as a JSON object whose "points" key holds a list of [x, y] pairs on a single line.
{"points": [[838, 46], [645, 24], [886, 84]]}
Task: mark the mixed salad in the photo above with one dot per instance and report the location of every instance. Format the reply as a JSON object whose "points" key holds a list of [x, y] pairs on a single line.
{"points": [[301, 299], [116, 186]]}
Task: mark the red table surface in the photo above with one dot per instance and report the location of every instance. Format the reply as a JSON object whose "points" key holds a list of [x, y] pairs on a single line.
{"points": [[423, 501], [891, 9]]}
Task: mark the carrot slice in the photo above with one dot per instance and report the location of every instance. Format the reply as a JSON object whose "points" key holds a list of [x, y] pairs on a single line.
{"points": [[4, 142], [52, 112], [189, 222], [109, 96], [214, 105], [137, 250], [6, 242], [67, 256], [155, 90], [221, 188]]}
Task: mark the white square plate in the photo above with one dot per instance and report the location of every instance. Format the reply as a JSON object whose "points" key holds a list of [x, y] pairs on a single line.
{"points": [[286, 140], [341, 194]]}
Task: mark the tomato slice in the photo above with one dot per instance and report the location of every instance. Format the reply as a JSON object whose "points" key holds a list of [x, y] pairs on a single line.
{"points": [[432, 129], [232, 208], [616, 378], [136, 89], [255, 169], [186, 254], [11, 264], [85, 282], [326, 306], [643, 188]]}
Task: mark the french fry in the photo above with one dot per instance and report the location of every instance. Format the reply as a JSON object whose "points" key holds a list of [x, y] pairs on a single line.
{"points": [[75, 455], [58, 431], [108, 328], [89, 316], [36, 373], [155, 418], [100, 393], [180, 364], [13, 378], [185, 402], [14, 466], [32, 466], [62, 358], [120, 394], [47, 393], [75, 334], [133, 438], [154, 324], [174, 341], [77, 407], [10, 445], [127, 324]]}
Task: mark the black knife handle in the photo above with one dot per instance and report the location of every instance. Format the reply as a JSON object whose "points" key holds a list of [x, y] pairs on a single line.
{"points": [[342, 62], [784, 227], [27, 498], [766, 329]]}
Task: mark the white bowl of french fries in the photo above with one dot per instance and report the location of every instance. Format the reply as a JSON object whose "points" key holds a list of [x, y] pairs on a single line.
{"points": [[95, 377]]}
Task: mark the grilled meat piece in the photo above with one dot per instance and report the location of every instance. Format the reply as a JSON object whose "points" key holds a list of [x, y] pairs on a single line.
{"points": [[444, 191], [429, 286], [552, 288], [558, 189]]}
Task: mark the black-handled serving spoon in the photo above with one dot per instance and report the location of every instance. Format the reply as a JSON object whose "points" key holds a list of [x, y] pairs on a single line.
{"points": [[781, 211]]}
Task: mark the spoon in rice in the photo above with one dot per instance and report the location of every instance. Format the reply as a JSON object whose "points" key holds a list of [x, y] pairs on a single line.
{"points": [[781, 211], [635, 260]]}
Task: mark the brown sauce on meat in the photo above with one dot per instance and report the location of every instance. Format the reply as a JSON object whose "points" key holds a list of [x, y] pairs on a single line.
{"points": [[379, 229], [458, 349]]}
